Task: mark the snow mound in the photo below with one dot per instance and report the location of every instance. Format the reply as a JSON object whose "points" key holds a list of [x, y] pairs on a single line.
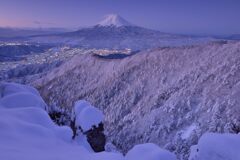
{"points": [[188, 131], [213, 146], [12, 88], [80, 105], [87, 116], [15, 95], [28, 133], [114, 20], [23, 99], [107, 156], [149, 151]]}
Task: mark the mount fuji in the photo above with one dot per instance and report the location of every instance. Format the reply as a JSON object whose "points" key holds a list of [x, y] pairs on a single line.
{"points": [[114, 20], [114, 32]]}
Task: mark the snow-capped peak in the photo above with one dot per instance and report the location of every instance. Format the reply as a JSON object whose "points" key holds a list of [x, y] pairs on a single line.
{"points": [[114, 20]]}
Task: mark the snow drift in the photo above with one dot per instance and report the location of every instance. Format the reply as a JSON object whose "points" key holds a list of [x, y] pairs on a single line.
{"points": [[86, 115], [27, 132]]}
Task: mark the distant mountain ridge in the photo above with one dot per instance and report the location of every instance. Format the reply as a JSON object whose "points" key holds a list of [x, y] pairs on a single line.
{"points": [[117, 33]]}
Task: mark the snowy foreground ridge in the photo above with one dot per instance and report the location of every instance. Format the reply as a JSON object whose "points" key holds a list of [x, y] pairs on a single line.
{"points": [[27, 133]]}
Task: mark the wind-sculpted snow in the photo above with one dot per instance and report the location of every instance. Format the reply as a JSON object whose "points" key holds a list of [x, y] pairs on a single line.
{"points": [[87, 116], [28, 133], [169, 96], [12, 94]]}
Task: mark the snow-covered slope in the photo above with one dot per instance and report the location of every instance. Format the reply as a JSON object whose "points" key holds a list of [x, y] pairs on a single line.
{"points": [[170, 96], [114, 20], [28, 133]]}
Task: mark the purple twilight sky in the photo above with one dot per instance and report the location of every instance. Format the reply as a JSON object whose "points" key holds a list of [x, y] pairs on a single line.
{"points": [[175, 16]]}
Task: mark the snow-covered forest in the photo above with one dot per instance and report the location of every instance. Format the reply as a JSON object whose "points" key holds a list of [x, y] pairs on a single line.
{"points": [[168, 96]]}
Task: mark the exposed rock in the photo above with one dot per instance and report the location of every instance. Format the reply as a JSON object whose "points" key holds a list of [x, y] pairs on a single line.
{"points": [[96, 138]]}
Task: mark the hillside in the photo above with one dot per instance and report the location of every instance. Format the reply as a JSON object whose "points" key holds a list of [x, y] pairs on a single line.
{"points": [[169, 96]]}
